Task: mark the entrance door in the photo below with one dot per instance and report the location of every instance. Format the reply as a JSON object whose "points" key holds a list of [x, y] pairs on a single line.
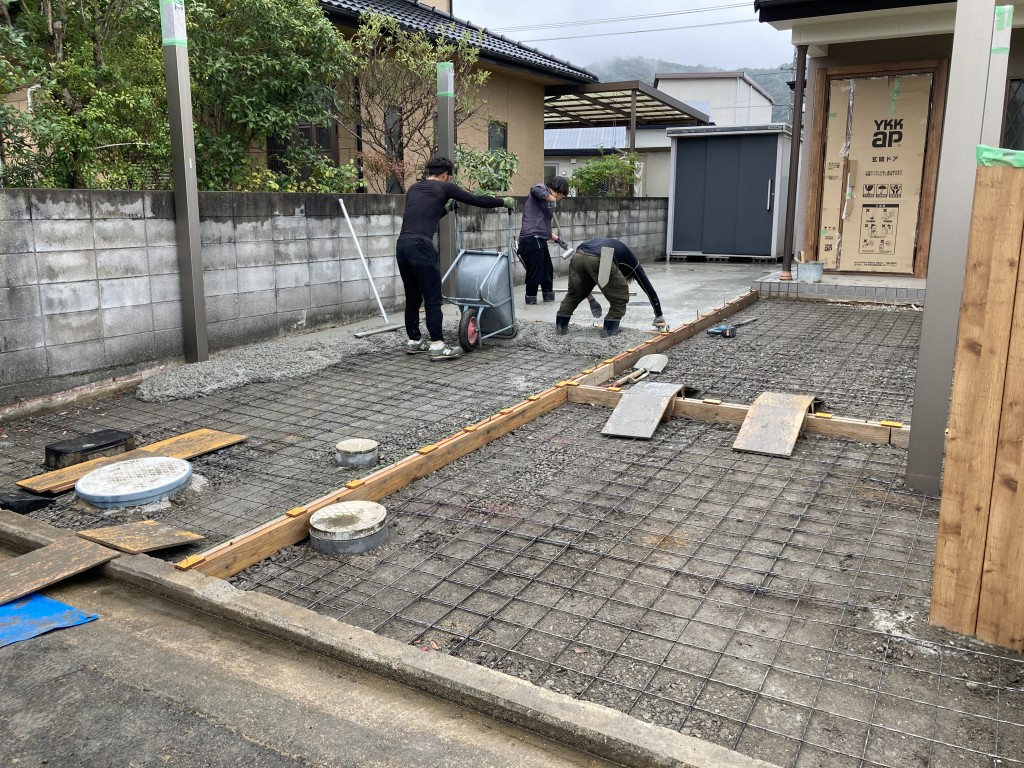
{"points": [[725, 194]]}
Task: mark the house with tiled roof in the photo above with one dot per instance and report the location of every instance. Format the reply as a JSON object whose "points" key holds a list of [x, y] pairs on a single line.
{"points": [[515, 91]]}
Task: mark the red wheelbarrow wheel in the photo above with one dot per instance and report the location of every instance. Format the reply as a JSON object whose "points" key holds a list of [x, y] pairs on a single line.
{"points": [[469, 329]]}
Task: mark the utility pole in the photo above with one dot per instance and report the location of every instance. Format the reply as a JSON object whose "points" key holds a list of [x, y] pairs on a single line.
{"points": [[186, 190], [446, 148]]}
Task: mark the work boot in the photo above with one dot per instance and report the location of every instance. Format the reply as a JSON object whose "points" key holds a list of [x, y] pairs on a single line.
{"points": [[549, 295], [531, 299], [611, 327], [561, 324]]}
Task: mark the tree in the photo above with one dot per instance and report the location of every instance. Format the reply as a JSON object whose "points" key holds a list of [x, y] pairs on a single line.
{"points": [[393, 110], [608, 176], [99, 112], [485, 172]]}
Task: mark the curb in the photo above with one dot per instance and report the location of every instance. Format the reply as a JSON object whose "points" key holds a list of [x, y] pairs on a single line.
{"points": [[590, 727]]}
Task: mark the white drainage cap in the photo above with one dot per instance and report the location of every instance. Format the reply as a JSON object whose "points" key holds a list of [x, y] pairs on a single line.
{"points": [[356, 453], [348, 527], [134, 483]]}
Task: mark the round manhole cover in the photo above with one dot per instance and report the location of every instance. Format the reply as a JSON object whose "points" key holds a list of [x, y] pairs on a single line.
{"points": [[348, 528], [134, 483]]}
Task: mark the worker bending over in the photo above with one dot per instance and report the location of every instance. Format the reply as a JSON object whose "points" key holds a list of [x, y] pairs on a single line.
{"points": [[583, 272]]}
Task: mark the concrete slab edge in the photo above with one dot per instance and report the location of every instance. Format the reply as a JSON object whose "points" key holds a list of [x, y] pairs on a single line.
{"points": [[593, 728]]}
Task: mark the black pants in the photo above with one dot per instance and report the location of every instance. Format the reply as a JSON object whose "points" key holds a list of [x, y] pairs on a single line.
{"points": [[419, 266], [539, 270]]}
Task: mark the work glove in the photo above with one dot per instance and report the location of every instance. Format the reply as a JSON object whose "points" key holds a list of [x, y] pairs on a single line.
{"points": [[659, 321], [509, 202], [552, 204], [561, 243], [595, 307], [451, 205]]}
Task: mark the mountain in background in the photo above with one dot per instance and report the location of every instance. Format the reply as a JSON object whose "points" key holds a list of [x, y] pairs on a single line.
{"points": [[774, 81]]}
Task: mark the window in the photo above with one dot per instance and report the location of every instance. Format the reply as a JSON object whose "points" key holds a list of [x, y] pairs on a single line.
{"points": [[393, 145], [1013, 120], [497, 135], [550, 171], [323, 139]]}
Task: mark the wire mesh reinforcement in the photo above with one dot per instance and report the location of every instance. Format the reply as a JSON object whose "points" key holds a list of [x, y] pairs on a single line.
{"points": [[777, 607]]}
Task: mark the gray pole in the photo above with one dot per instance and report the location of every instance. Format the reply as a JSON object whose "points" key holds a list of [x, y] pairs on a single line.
{"points": [[446, 148], [970, 106], [186, 190], [794, 163]]}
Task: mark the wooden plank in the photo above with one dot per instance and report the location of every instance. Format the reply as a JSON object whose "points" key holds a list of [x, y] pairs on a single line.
{"points": [[986, 315], [141, 536], [641, 409], [47, 565], [734, 413], [1001, 604], [232, 556], [773, 424], [184, 446]]}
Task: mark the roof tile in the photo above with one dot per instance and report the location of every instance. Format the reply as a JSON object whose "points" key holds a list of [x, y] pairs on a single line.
{"points": [[493, 48]]}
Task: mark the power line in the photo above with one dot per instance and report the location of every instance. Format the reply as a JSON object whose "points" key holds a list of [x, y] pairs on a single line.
{"points": [[584, 22], [636, 31]]}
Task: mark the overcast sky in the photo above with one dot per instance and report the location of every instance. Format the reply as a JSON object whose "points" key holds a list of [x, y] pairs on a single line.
{"points": [[715, 33]]}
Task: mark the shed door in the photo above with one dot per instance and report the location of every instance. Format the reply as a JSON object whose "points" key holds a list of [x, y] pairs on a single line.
{"points": [[725, 194]]}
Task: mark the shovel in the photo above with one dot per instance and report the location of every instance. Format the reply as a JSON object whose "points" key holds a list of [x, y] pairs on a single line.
{"points": [[645, 365]]}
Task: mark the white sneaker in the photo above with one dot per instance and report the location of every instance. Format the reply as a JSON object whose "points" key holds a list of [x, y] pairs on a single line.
{"points": [[445, 353], [413, 347]]}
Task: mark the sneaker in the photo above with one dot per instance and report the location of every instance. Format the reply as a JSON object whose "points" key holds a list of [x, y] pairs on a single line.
{"points": [[413, 346], [445, 353]]}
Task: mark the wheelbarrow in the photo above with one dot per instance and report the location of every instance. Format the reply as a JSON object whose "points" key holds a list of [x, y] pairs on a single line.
{"points": [[482, 290]]}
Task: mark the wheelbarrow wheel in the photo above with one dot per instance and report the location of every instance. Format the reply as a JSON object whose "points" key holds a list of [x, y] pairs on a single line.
{"points": [[469, 329]]}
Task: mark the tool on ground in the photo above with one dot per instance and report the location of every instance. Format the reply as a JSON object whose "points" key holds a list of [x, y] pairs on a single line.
{"points": [[641, 409], [728, 331], [369, 277], [645, 365]]}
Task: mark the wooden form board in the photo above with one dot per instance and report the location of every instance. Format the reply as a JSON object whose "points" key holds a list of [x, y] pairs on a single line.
{"points": [[141, 536], [235, 555], [773, 424], [47, 565], [717, 412], [184, 446], [978, 581], [640, 410]]}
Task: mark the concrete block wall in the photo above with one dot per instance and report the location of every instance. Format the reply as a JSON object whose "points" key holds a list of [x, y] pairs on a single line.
{"points": [[89, 281]]}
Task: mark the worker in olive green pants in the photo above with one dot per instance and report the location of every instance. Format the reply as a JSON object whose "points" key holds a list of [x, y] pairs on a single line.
{"points": [[583, 270]]}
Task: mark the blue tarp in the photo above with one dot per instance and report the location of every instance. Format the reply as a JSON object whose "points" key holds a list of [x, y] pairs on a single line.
{"points": [[33, 615]]}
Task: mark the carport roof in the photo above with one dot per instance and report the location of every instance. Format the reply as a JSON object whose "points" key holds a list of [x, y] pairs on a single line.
{"points": [[790, 10], [598, 105]]}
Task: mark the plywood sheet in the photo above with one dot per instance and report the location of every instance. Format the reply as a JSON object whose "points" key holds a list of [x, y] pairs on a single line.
{"points": [[773, 424], [55, 562], [641, 409], [184, 446], [141, 536]]}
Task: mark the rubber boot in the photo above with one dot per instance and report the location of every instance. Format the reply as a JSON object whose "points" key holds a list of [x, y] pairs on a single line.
{"points": [[611, 327], [549, 295], [531, 299], [561, 324]]}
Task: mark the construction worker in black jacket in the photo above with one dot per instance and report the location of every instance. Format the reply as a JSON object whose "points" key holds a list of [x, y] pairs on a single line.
{"points": [[583, 277], [418, 263]]}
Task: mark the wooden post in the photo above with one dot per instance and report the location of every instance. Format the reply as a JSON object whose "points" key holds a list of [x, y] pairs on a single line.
{"points": [[980, 526]]}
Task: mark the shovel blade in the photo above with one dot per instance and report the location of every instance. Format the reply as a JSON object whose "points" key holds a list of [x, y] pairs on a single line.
{"points": [[651, 363]]}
